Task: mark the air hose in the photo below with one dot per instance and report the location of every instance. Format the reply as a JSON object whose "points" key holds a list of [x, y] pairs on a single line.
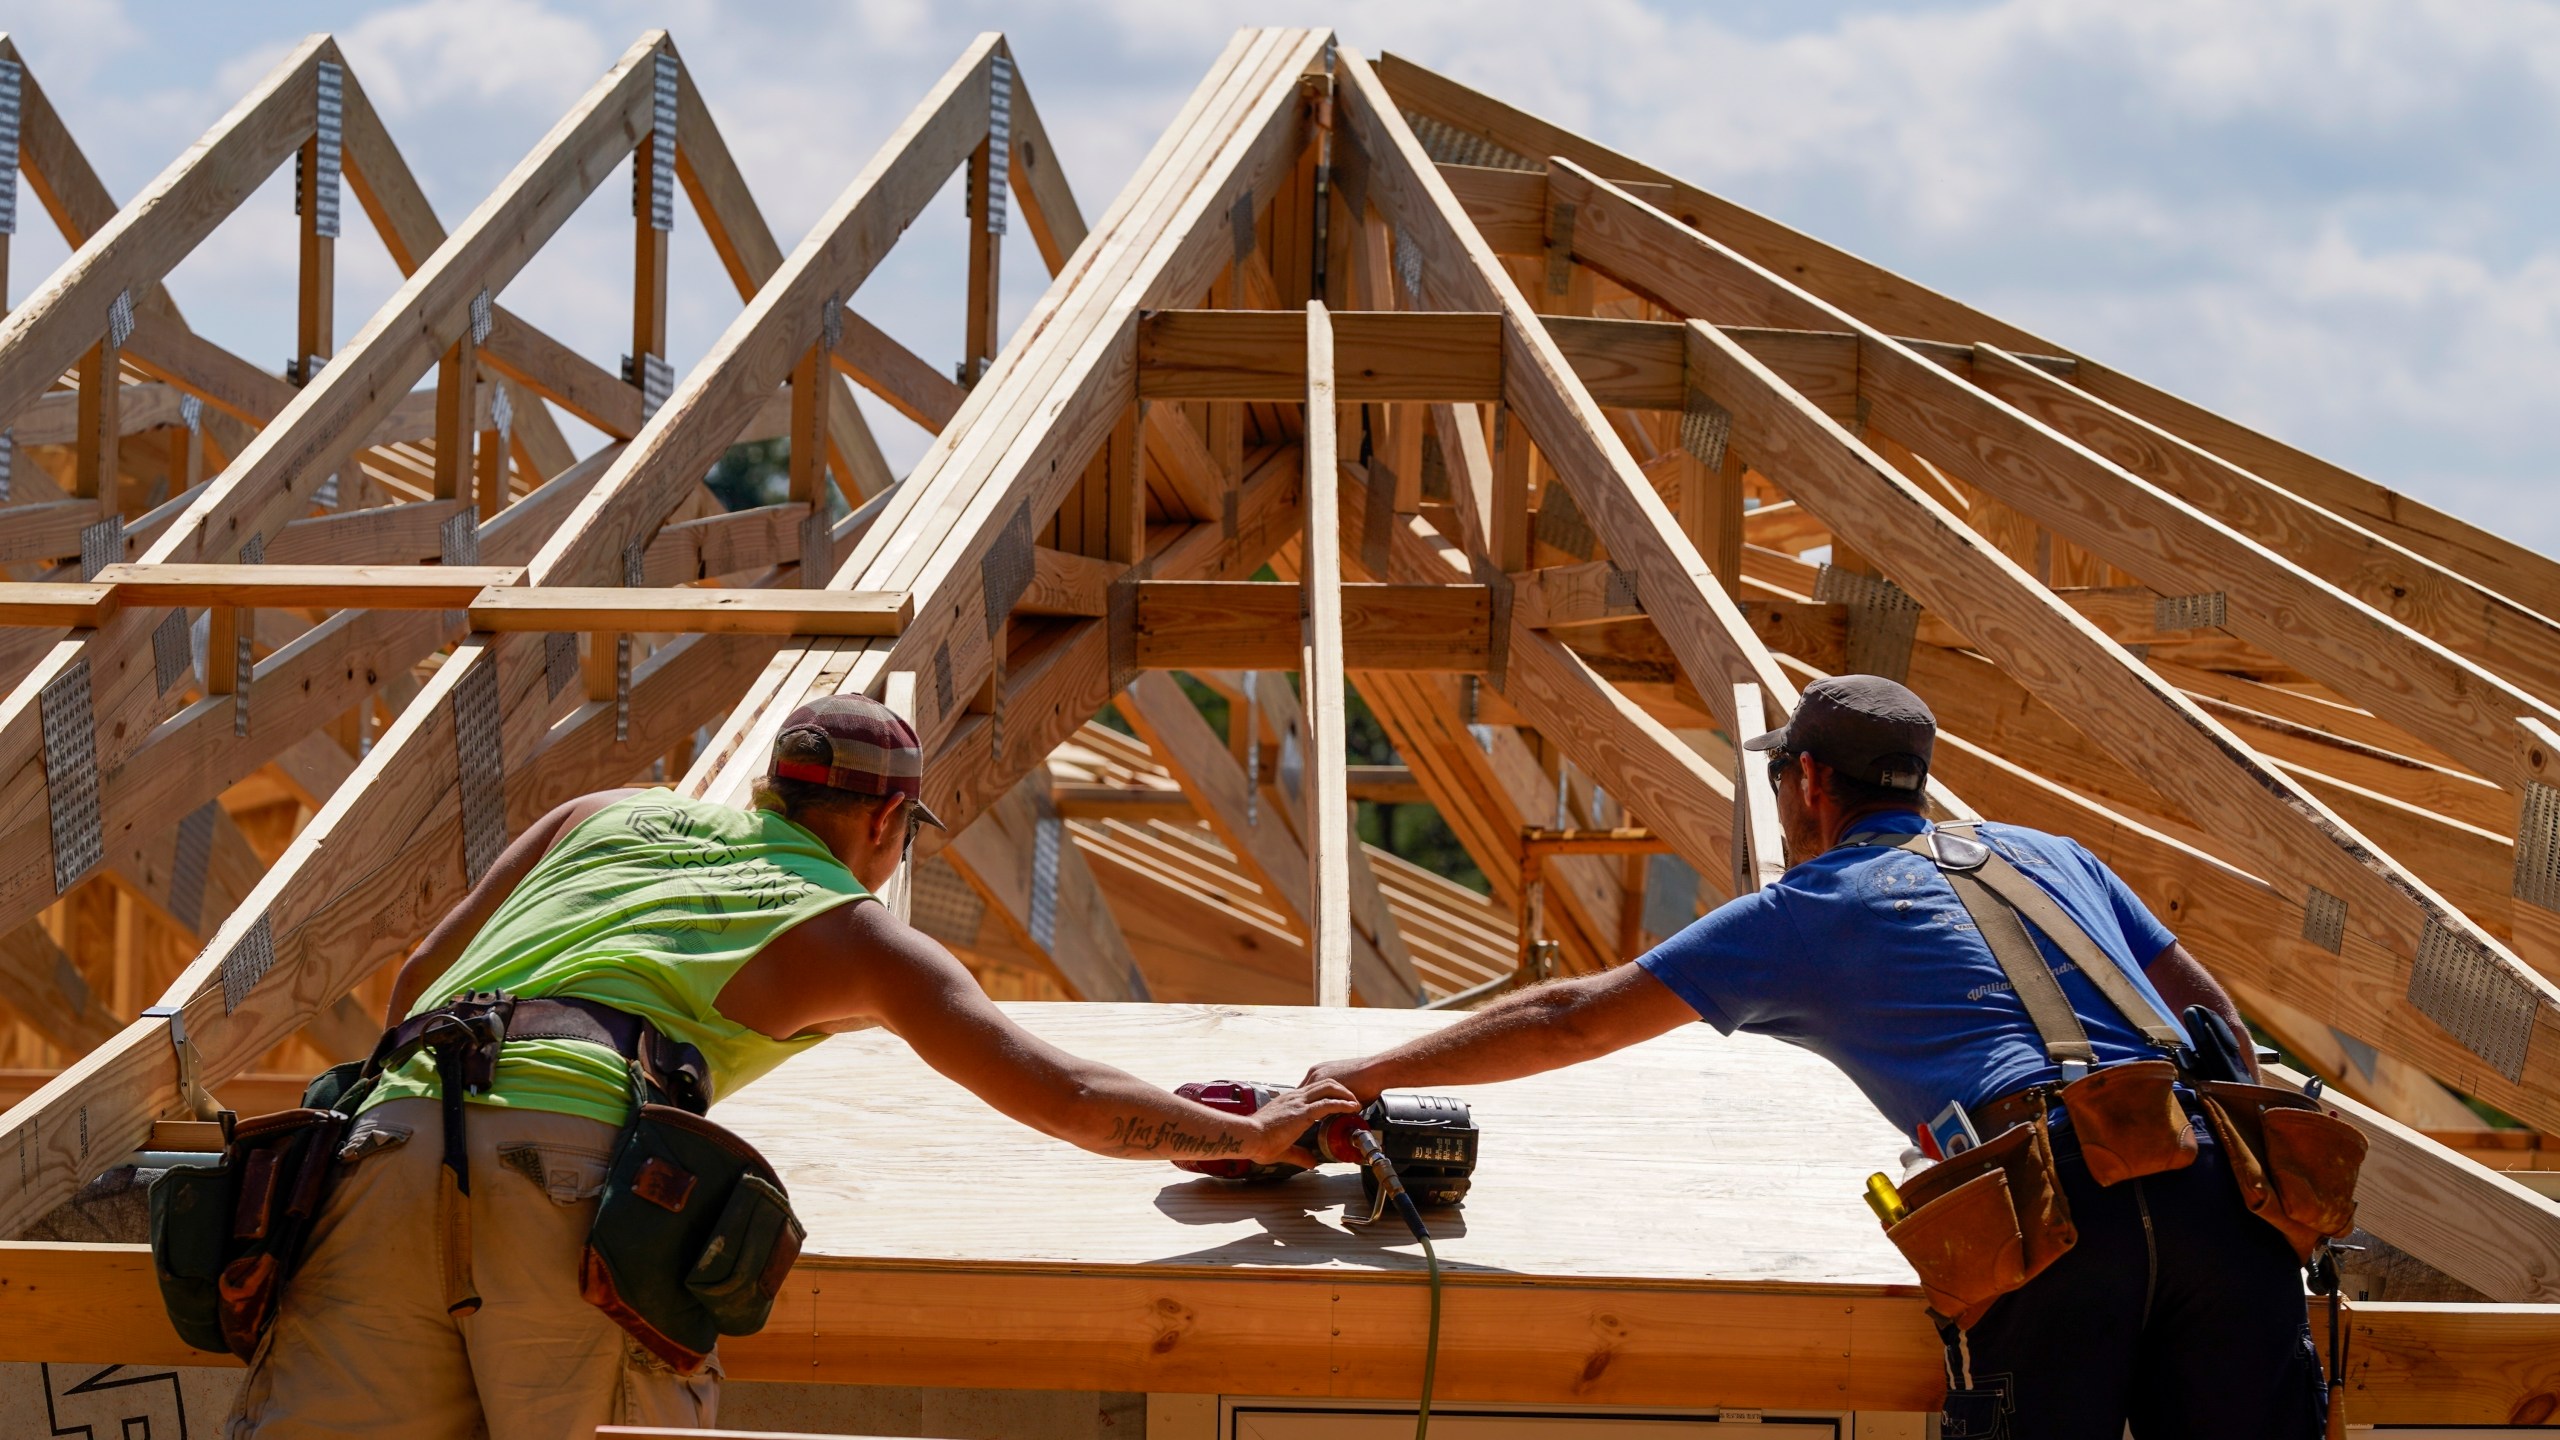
{"points": [[1391, 1188]]}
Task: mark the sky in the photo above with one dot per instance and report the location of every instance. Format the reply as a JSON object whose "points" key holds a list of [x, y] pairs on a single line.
{"points": [[2330, 219]]}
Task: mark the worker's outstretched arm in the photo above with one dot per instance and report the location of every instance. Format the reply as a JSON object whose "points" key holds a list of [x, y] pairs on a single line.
{"points": [[860, 962], [1523, 1033], [445, 943], [2182, 982]]}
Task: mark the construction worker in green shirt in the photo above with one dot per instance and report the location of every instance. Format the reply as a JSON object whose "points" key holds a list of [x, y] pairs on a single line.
{"points": [[623, 925]]}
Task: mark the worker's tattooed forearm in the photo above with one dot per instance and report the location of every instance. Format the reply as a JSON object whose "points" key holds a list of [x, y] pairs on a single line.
{"points": [[1137, 1133]]}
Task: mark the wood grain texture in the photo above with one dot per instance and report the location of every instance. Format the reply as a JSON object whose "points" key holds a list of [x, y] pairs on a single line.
{"points": [[1201, 625]]}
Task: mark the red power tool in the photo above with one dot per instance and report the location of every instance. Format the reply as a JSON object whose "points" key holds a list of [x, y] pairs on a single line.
{"points": [[1428, 1140]]}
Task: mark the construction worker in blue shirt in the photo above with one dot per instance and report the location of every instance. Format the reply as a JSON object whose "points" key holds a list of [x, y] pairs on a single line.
{"points": [[2177, 1311]]}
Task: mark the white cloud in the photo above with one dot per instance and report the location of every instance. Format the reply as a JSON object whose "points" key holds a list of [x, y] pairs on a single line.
{"points": [[2330, 218]]}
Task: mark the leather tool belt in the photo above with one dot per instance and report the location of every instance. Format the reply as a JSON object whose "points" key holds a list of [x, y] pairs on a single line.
{"points": [[1987, 1221], [692, 1236]]}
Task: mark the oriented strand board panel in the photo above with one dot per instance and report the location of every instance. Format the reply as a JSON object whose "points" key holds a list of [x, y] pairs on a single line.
{"points": [[1697, 1158]]}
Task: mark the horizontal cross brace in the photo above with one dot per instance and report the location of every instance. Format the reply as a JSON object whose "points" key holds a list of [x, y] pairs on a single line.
{"points": [[1246, 625], [490, 595]]}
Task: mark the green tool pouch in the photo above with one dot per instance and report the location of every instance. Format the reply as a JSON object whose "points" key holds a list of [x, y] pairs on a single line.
{"points": [[693, 1235], [225, 1239]]}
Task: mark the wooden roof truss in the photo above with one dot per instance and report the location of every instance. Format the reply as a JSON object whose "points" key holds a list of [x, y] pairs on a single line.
{"points": [[1540, 443]]}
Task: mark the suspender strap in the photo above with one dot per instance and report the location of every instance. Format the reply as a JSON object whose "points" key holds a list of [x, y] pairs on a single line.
{"points": [[2029, 901], [2001, 902], [2066, 1041]]}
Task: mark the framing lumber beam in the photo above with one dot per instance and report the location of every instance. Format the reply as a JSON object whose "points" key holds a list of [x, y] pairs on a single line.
{"points": [[1458, 271], [1902, 306], [1230, 625], [1183, 742], [384, 855], [1164, 238], [2183, 752], [1860, 1348], [1020, 860], [42, 338]]}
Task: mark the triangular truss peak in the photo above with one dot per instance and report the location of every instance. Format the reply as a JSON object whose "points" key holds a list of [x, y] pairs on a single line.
{"points": [[632, 516], [1370, 398]]}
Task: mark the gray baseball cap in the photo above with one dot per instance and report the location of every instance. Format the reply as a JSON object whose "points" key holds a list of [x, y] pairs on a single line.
{"points": [[1864, 726]]}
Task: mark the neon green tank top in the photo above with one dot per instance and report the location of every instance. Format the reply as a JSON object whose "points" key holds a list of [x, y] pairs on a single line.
{"points": [[649, 905]]}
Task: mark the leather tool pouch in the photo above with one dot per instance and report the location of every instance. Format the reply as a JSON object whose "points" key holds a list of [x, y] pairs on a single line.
{"points": [[2295, 1164], [226, 1238], [2129, 1121], [693, 1235], [1986, 1222]]}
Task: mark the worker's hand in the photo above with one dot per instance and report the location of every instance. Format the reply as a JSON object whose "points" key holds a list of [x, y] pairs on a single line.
{"points": [[1278, 1125], [1351, 1075]]}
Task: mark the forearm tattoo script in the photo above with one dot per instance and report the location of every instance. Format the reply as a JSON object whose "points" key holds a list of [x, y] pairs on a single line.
{"points": [[1137, 1133]]}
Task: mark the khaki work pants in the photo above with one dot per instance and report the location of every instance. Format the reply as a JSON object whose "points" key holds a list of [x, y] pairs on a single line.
{"points": [[362, 1343]]}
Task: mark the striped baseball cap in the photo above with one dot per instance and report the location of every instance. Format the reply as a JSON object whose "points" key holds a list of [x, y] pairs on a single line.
{"points": [[872, 750]]}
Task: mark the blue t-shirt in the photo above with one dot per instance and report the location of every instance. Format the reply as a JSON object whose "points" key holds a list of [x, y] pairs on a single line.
{"points": [[1865, 956]]}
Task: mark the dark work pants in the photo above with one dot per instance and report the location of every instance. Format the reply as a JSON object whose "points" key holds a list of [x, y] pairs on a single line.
{"points": [[2178, 1311]]}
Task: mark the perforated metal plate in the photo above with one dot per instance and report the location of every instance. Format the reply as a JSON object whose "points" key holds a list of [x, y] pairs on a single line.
{"points": [[250, 958], [2324, 920], [480, 766], [2206, 611], [1048, 835], [657, 382], [662, 142], [1448, 145], [633, 574], [8, 460], [2475, 996], [171, 655], [484, 317], [831, 320], [943, 905], [1007, 571], [502, 415], [999, 138], [1559, 249], [12, 84], [559, 661], [1293, 765], [101, 545], [1252, 752], [941, 680], [1835, 586], [1705, 429], [1883, 620], [458, 538], [71, 774], [120, 319], [1561, 522], [1622, 588], [244, 662], [2538, 847], [188, 868], [330, 120]]}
